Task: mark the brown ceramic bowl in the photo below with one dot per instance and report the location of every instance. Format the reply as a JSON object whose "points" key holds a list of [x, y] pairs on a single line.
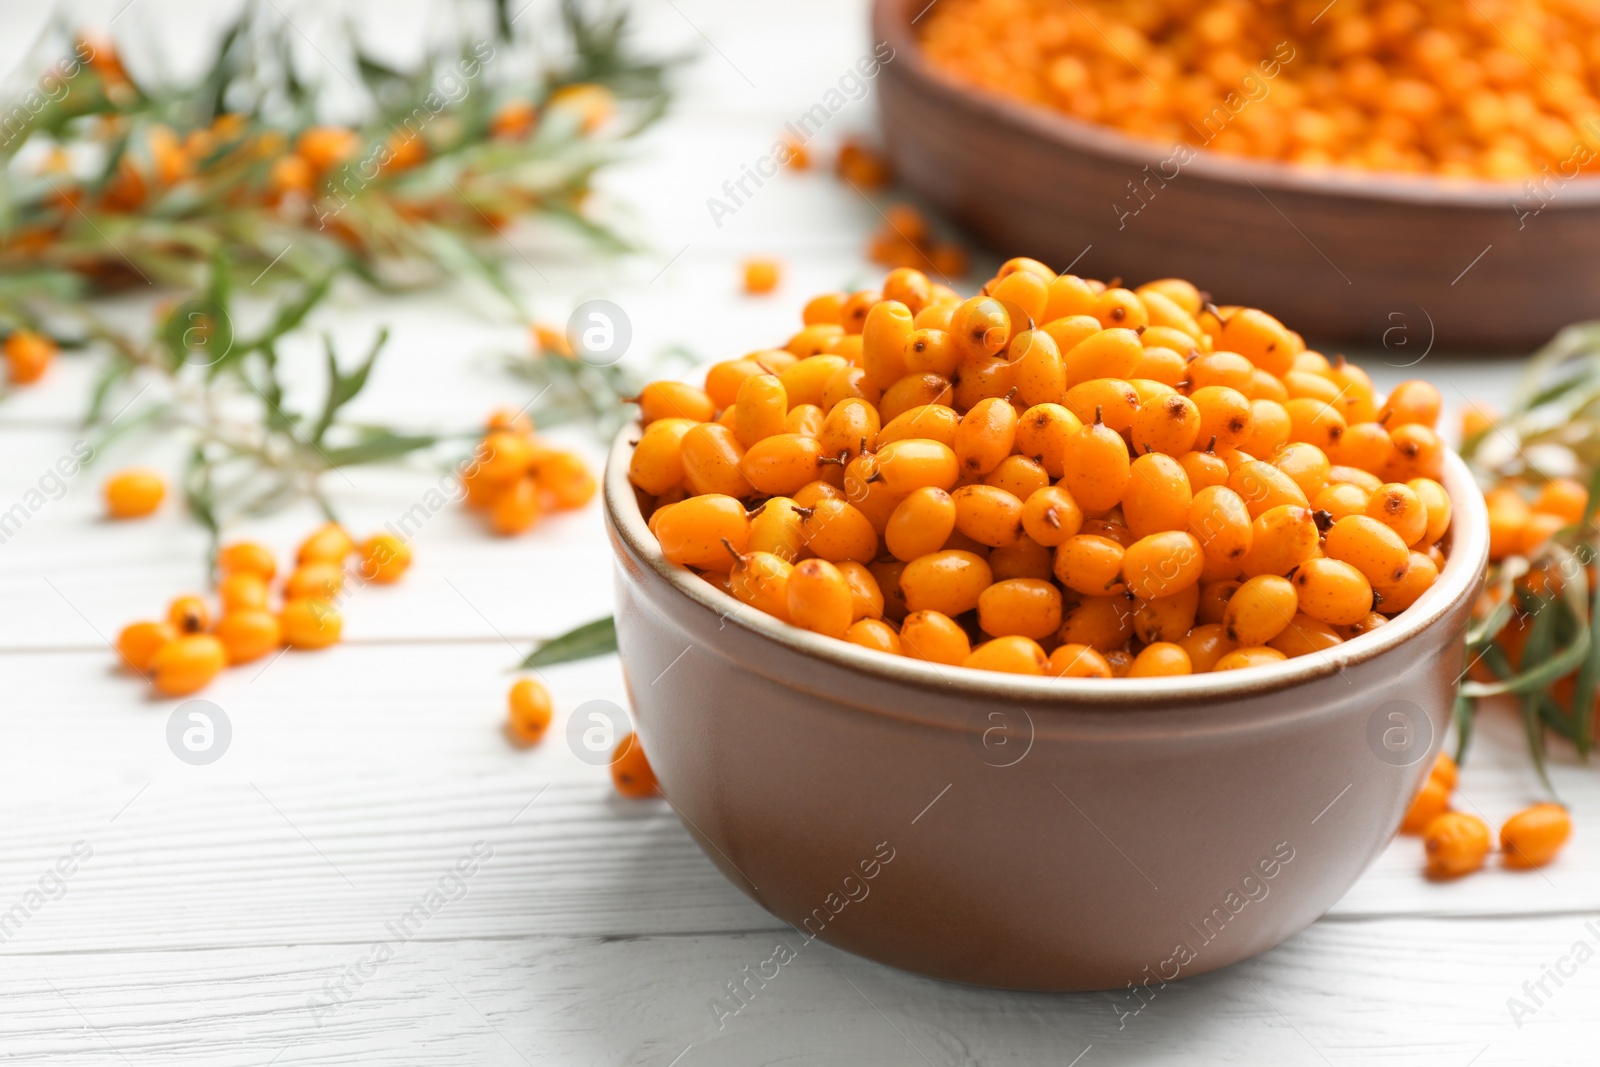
{"points": [[1027, 833], [1343, 255]]}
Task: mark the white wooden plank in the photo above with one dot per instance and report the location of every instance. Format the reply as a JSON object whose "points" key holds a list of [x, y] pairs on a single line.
{"points": [[1399, 991]]}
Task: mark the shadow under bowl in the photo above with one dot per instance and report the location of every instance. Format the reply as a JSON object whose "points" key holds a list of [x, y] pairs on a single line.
{"points": [[1025, 833]]}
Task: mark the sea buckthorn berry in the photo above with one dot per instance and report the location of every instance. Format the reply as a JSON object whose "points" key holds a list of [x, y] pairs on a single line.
{"points": [[1162, 564], [986, 435], [1050, 516], [564, 481], [1024, 290], [1370, 622], [1240, 658], [1260, 610], [949, 581], [1090, 565], [1077, 661], [1009, 655], [1096, 467], [1456, 844], [723, 379], [1025, 558], [1305, 635], [1341, 499], [1270, 427], [1159, 363], [1163, 659], [516, 509], [691, 532], [1102, 622], [1332, 591], [1204, 468], [631, 773], [674, 400], [248, 634], [1158, 496], [1042, 435], [823, 310], [1116, 307], [1207, 645], [711, 461], [981, 327], [760, 408], [819, 598], [1224, 416], [920, 524], [1228, 369], [908, 286], [187, 664], [850, 427], [1019, 476], [1418, 453], [1561, 497], [241, 591], [1444, 768], [931, 352], [384, 558], [1365, 445], [28, 356], [876, 635], [760, 275], [1370, 546], [1281, 539], [1221, 522], [1110, 525], [936, 316], [836, 530], [328, 543], [1421, 573], [1214, 597], [1532, 837], [932, 422], [915, 462], [1181, 293], [189, 615], [247, 557], [528, 711], [980, 379], [657, 461], [806, 380], [1037, 372], [1263, 486], [935, 637], [781, 464], [1397, 507], [1261, 339], [1106, 353], [310, 622], [1069, 295], [1021, 606], [314, 579], [761, 580], [1306, 464], [1431, 801], [884, 336], [857, 306], [139, 642], [1166, 618], [988, 515], [1316, 422], [1109, 400], [1437, 504], [1414, 402], [866, 596], [1168, 425], [133, 493], [1355, 476], [914, 391]]}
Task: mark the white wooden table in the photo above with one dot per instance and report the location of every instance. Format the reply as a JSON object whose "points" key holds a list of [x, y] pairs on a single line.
{"points": [[245, 912]]}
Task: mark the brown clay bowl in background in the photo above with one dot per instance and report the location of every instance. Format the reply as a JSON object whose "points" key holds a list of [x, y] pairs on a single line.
{"points": [[1044, 834], [1343, 255]]}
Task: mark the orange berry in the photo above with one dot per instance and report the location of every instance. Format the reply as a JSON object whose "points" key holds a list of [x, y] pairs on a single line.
{"points": [[1431, 801], [247, 557], [327, 544], [760, 275], [139, 642], [242, 591], [384, 558], [134, 493], [247, 634], [189, 615], [630, 770], [1456, 844], [310, 622], [28, 356], [1531, 838], [187, 664], [528, 712]]}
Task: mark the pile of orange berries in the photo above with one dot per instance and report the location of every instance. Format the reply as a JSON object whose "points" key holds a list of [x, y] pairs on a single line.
{"points": [[182, 653], [1054, 477], [906, 240], [514, 478], [528, 710], [1457, 843], [28, 355], [1496, 89]]}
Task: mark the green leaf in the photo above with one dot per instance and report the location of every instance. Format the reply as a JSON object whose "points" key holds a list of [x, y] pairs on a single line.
{"points": [[376, 447], [343, 388], [598, 638]]}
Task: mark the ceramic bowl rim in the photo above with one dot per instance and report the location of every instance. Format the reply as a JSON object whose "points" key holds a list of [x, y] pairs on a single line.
{"points": [[1464, 566]]}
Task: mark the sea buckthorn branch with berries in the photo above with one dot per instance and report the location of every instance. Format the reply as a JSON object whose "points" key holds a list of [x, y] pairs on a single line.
{"points": [[1055, 477], [232, 171]]}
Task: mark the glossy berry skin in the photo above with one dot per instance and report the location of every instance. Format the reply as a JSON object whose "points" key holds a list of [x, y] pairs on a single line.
{"points": [[1077, 661], [935, 637], [819, 598], [1456, 844], [327, 544], [1009, 655], [1532, 837], [139, 642], [1020, 606], [310, 623], [187, 664], [249, 634], [384, 559], [247, 557]]}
